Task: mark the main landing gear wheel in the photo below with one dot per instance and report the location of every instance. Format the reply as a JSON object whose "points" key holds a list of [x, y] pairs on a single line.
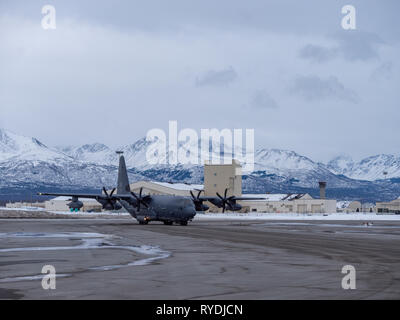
{"points": [[168, 223], [143, 222], [183, 223]]}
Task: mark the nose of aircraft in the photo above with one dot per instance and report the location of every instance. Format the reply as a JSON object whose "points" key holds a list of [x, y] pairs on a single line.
{"points": [[189, 212]]}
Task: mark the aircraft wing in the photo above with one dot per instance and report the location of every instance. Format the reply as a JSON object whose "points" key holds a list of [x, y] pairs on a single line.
{"points": [[248, 198], [78, 195], [210, 198], [88, 195]]}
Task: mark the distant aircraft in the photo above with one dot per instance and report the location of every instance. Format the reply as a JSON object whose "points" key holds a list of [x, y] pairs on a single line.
{"points": [[146, 208]]}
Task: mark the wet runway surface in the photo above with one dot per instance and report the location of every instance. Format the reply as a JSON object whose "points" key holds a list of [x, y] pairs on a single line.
{"points": [[119, 259]]}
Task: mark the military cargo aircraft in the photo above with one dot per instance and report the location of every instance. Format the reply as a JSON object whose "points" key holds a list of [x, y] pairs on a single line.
{"points": [[145, 208]]}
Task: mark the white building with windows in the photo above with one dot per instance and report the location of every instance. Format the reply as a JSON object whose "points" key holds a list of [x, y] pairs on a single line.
{"points": [[287, 203], [389, 207]]}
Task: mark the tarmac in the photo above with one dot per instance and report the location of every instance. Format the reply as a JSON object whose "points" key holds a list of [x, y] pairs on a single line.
{"points": [[119, 259]]}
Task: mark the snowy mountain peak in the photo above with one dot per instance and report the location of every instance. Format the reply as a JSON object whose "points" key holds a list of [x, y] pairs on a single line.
{"points": [[7, 144], [94, 147], [372, 168], [16, 142], [19, 147], [340, 164], [282, 159], [36, 141]]}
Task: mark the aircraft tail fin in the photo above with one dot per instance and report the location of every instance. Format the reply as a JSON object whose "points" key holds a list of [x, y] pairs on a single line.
{"points": [[123, 182]]}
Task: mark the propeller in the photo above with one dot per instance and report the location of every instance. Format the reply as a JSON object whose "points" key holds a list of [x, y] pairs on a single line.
{"points": [[198, 202], [105, 192], [140, 199], [225, 201], [109, 203], [196, 199]]}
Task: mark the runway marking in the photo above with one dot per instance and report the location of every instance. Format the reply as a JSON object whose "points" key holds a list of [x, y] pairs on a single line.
{"points": [[89, 241]]}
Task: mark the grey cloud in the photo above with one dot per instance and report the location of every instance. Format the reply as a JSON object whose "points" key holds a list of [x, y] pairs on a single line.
{"points": [[217, 78], [350, 45], [317, 53], [315, 88], [383, 71], [356, 45], [262, 100]]}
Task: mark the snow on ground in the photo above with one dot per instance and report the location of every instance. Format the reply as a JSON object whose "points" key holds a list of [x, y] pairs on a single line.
{"points": [[83, 213], [23, 209], [244, 216], [297, 216], [80, 213]]}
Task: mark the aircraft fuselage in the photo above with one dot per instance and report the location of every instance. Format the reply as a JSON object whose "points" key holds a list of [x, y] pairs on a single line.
{"points": [[165, 208]]}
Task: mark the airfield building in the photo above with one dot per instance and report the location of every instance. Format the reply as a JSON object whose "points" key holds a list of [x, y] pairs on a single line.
{"points": [[368, 207], [286, 203], [348, 206], [218, 177], [176, 189], [389, 207]]}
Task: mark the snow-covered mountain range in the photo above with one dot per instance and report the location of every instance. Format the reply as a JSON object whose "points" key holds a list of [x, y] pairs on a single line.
{"points": [[381, 166], [27, 162]]}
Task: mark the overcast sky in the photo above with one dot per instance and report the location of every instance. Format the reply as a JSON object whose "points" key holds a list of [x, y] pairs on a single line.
{"points": [[112, 70]]}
